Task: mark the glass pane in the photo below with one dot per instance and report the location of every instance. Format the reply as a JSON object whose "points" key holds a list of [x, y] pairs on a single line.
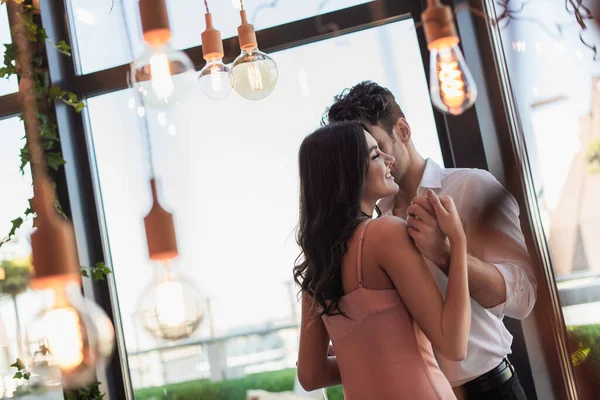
{"points": [[228, 170], [10, 85], [18, 305], [107, 34], [557, 84]]}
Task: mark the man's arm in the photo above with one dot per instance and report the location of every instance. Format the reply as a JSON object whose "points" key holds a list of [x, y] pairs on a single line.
{"points": [[486, 284], [500, 275]]}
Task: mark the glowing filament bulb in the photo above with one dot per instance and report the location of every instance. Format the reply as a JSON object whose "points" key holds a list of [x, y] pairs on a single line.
{"points": [[170, 303], [254, 77], [162, 83], [451, 84], [65, 340], [216, 79]]}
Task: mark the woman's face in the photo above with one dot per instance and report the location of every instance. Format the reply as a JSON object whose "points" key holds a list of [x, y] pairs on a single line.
{"points": [[379, 182]]}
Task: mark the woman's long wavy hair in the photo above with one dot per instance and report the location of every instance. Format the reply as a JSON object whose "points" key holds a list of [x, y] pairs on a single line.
{"points": [[333, 166]]}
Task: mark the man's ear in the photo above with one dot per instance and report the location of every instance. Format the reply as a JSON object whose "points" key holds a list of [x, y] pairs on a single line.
{"points": [[402, 130]]}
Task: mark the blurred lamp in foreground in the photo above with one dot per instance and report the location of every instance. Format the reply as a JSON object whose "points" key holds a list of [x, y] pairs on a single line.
{"points": [[216, 80], [171, 308], [161, 75], [74, 333], [451, 85], [255, 72]]}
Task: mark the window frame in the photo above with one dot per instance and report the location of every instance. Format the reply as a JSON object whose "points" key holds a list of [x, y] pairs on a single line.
{"points": [[486, 136]]}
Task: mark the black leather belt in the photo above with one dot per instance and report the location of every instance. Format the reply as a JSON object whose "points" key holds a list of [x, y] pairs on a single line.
{"points": [[490, 380]]}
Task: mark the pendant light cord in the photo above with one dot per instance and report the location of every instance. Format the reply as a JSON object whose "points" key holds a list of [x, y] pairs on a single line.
{"points": [[146, 129], [242, 4], [206, 6]]}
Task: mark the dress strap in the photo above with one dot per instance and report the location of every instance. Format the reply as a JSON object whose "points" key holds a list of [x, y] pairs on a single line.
{"points": [[361, 240]]}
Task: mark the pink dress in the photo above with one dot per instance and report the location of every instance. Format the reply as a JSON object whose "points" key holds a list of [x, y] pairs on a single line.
{"points": [[381, 352]]}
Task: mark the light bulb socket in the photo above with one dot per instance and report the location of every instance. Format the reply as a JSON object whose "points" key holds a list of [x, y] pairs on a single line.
{"points": [[160, 230], [155, 22], [246, 33], [212, 45], [53, 243], [438, 23]]}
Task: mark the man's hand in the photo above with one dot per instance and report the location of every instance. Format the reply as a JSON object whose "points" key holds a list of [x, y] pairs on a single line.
{"points": [[426, 234]]}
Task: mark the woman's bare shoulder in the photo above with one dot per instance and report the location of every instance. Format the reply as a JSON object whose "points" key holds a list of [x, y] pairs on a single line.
{"points": [[388, 228]]}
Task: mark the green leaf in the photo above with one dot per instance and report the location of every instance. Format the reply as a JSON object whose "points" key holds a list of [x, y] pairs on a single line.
{"points": [[84, 272], [55, 160], [42, 35], [37, 60], [54, 93], [16, 224], [27, 375], [63, 48], [30, 208], [25, 157], [18, 375]]}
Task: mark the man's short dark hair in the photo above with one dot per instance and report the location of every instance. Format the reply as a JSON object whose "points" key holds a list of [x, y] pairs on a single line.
{"points": [[366, 102]]}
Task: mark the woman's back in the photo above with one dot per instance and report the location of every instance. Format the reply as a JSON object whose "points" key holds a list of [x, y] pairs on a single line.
{"points": [[381, 352]]}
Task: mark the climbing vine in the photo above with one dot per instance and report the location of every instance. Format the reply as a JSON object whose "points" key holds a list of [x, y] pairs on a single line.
{"points": [[46, 95]]}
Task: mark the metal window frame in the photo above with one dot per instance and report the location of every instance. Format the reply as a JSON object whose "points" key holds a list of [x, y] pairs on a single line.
{"points": [[477, 139]]}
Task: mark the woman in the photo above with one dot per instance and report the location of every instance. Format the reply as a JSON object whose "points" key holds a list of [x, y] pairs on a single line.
{"points": [[364, 285]]}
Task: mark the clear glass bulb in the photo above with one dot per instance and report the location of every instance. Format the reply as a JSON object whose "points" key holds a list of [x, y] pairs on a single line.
{"points": [[172, 308], [216, 80], [162, 76], [72, 336], [255, 74], [451, 84]]}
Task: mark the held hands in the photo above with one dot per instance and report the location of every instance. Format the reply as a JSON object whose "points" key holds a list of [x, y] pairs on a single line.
{"points": [[433, 223]]}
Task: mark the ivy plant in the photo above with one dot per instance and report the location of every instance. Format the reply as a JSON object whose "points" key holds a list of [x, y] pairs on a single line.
{"points": [[46, 94]]}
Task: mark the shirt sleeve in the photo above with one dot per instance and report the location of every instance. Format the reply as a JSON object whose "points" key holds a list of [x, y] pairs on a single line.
{"points": [[491, 218]]}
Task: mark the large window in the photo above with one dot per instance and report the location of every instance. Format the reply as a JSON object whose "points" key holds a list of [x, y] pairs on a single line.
{"points": [[109, 33], [228, 171], [557, 83]]}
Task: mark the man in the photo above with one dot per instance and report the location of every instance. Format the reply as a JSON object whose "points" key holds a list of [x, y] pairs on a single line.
{"points": [[501, 281]]}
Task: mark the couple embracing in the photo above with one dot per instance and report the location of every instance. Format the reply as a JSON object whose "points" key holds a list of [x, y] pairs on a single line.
{"points": [[402, 267]]}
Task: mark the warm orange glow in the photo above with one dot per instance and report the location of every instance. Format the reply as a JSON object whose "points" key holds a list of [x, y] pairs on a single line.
{"points": [[157, 37], [65, 340], [452, 85]]}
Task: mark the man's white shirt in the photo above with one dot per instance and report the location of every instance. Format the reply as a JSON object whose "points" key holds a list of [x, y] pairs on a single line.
{"points": [[495, 237]]}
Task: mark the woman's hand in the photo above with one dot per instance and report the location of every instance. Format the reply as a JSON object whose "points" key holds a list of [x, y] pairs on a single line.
{"points": [[447, 216]]}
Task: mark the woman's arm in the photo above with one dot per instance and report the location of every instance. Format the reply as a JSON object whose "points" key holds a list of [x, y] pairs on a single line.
{"points": [[446, 323], [315, 368]]}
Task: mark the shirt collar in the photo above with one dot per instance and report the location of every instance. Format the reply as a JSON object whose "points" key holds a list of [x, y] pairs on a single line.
{"points": [[432, 176]]}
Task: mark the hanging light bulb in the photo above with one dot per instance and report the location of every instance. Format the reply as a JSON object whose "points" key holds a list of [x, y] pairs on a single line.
{"points": [[451, 84], [163, 76], [171, 308], [255, 72], [216, 80], [75, 333]]}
